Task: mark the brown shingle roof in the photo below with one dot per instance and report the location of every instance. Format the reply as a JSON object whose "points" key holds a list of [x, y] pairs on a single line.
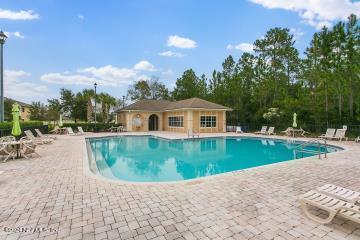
{"points": [[194, 103], [164, 105], [148, 105]]}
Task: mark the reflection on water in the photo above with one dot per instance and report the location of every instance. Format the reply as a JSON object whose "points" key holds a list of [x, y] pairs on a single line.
{"points": [[149, 159]]}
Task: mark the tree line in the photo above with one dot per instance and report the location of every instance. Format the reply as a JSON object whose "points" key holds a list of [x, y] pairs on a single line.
{"points": [[76, 106], [322, 86]]}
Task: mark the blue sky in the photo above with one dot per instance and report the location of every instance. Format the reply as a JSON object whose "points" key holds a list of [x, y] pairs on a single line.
{"points": [[57, 44]]}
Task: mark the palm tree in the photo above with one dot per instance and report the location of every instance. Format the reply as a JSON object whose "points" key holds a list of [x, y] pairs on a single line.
{"points": [[107, 102], [89, 94]]}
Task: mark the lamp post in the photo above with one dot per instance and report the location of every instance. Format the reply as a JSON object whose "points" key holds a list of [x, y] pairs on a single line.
{"points": [[3, 38], [123, 103], [95, 85]]}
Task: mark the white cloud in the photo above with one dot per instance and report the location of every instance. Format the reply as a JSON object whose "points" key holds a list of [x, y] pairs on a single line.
{"points": [[16, 88], [20, 15], [81, 17], [296, 32], [14, 34], [244, 47], [106, 75], [144, 66], [180, 42], [66, 79], [317, 13], [111, 75], [171, 54]]}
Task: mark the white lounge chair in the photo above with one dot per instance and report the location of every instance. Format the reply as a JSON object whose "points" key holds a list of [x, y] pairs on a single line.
{"points": [[330, 133], [41, 135], [70, 131], [262, 131], [80, 130], [340, 193], [239, 130], [333, 206], [357, 139], [271, 131], [340, 135], [37, 140]]}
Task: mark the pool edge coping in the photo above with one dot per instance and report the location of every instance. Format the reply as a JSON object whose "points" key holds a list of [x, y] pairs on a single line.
{"points": [[98, 176]]}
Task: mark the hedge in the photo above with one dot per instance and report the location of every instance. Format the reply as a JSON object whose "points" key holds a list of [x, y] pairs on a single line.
{"points": [[5, 127], [91, 127], [8, 125]]}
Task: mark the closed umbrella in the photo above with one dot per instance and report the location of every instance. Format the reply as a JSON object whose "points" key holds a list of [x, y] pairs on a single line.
{"points": [[294, 121], [60, 121], [16, 130]]}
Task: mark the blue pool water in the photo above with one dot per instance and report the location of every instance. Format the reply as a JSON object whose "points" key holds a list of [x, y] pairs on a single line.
{"points": [[151, 159]]}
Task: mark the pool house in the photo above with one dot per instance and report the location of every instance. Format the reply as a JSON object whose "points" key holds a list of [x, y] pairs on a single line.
{"points": [[189, 115]]}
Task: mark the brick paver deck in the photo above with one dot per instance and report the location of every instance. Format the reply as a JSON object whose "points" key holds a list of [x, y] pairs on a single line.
{"points": [[55, 193]]}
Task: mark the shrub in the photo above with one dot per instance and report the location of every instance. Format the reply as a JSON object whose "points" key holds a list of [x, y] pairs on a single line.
{"points": [[5, 127], [8, 125]]}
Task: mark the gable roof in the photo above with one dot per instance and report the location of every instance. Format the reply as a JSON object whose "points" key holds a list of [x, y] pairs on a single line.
{"points": [[148, 105], [18, 102], [164, 105], [195, 103]]}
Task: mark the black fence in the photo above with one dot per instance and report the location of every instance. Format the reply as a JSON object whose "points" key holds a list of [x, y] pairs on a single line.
{"points": [[44, 129], [352, 130]]}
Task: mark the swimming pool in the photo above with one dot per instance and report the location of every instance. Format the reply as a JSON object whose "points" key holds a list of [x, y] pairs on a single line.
{"points": [[153, 159]]}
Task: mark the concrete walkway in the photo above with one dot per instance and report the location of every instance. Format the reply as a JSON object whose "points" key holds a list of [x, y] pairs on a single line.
{"points": [[54, 194]]}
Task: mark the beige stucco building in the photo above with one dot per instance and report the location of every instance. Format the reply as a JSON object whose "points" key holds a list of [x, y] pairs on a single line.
{"points": [[190, 115], [24, 109]]}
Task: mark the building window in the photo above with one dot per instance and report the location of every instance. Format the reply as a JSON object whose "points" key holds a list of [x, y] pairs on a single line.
{"points": [[177, 121], [207, 121]]}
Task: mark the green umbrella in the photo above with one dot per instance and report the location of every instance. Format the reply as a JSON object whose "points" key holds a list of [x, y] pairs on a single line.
{"points": [[60, 121], [16, 130], [294, 121]]}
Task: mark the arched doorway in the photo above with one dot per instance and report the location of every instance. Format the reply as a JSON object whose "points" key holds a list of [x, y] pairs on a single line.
{"points": [[153, 122]]}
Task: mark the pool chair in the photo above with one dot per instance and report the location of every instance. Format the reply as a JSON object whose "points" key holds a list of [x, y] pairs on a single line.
{"points": [[357, 139], [28, 147], [334, 206], [340, 135], [80, 130], [341, 193], [37, 140], [330, 133], [70, 131], [193, 134], [288, 131], [55, 130], [271, 131], [41, 135], [7, 150], [262, 131], [239, 130]]}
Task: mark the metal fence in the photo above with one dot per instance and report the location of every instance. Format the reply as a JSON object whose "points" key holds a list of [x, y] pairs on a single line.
{"points": [[352, 130], [44, 129]]}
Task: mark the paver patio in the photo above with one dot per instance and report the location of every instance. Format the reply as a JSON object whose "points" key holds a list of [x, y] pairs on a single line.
{"points": [[55, 192]]}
